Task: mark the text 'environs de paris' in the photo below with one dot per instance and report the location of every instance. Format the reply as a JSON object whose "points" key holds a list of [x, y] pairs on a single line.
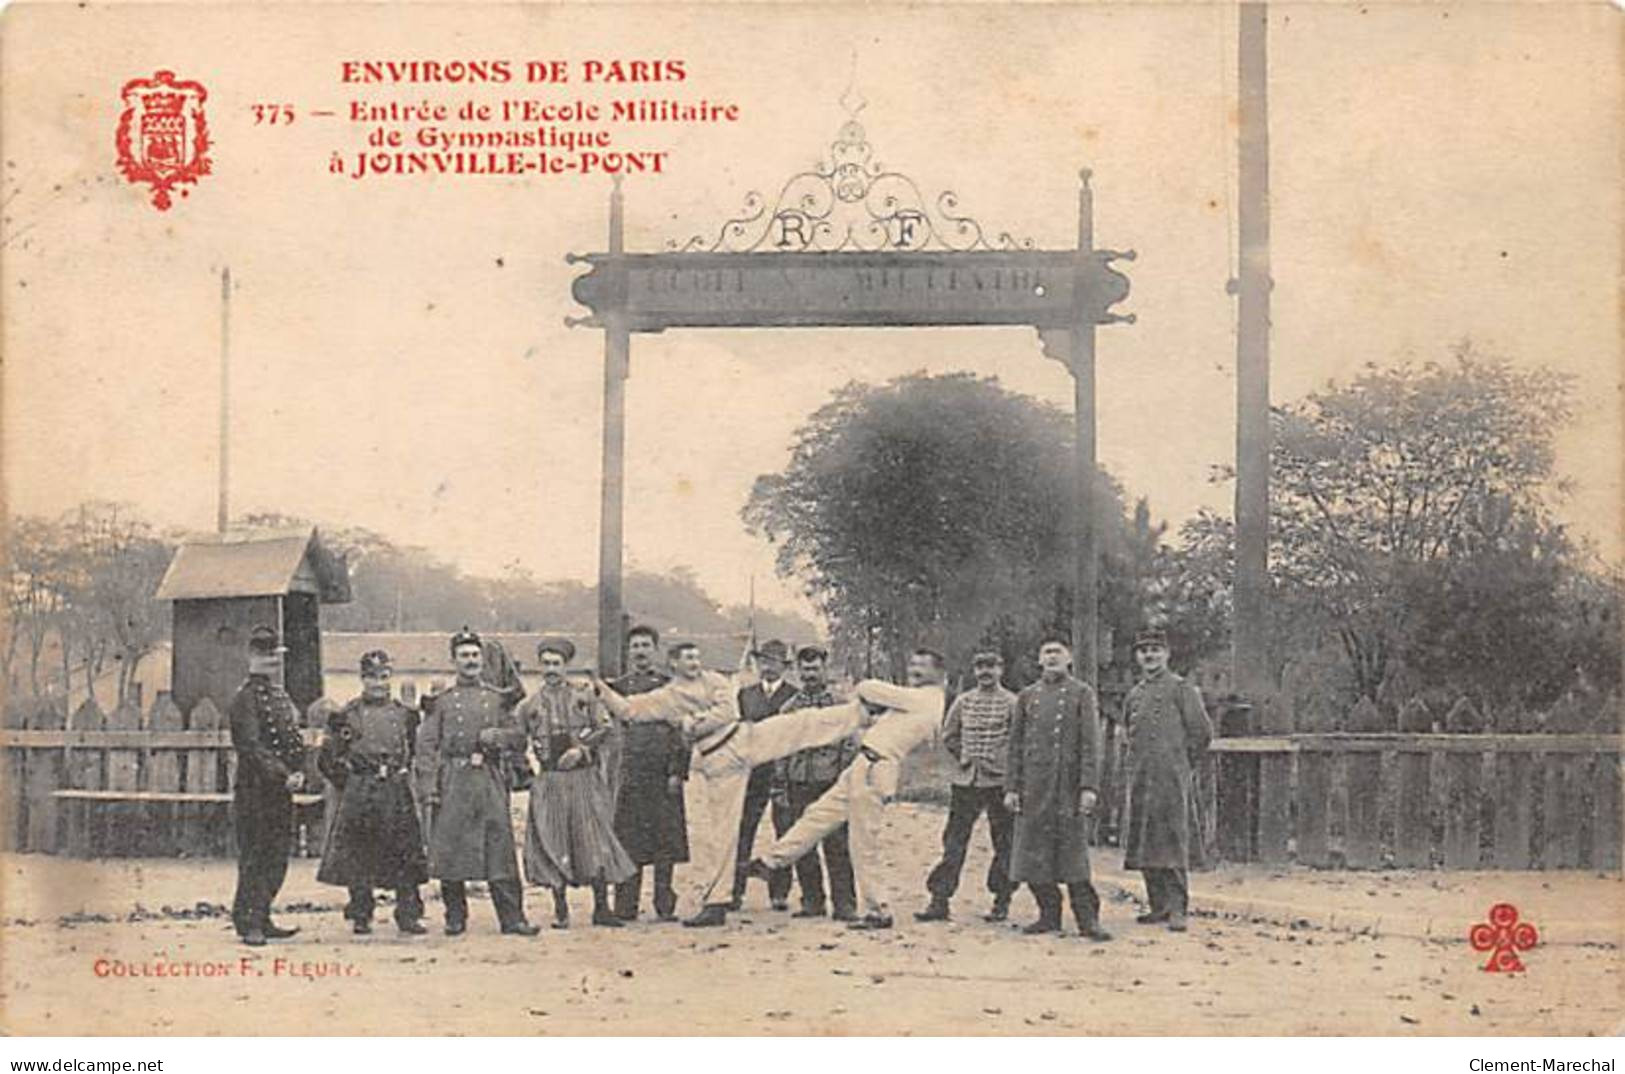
{"points": [[553, 72]]}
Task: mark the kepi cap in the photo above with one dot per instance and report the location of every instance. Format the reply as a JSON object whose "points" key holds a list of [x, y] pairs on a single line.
{"points": [[265, 641], [465, 636], [1149, 637]]}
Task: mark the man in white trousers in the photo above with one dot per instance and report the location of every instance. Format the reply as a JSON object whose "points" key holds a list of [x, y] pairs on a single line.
{"points": [[912, 717], [726, 749]]}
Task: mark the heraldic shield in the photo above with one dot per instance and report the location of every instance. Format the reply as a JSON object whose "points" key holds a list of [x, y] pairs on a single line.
{"points": [[163, 139]]}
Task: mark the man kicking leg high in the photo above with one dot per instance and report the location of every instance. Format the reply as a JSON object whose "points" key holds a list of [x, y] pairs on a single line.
{"points": [[726, 749], [911, 717]]}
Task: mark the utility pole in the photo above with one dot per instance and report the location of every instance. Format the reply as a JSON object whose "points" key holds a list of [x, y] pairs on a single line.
{"points": [[1250, 639], [617, 358], [222, 506]]}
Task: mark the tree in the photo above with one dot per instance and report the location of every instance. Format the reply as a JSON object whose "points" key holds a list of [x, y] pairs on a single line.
{"points": [[35, 592], [936, 509], [1412, 520], [117, 563]]}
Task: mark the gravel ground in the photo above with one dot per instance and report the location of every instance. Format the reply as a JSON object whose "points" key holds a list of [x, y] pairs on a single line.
{"points": [[1282, 951]]}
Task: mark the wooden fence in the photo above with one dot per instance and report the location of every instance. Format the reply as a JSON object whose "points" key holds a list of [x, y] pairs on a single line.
{"points": [[128, 783], [1433, 792], [1279, 786]]}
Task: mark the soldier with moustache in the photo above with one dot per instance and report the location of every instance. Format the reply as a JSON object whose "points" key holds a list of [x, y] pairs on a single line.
{"points": [[466, 752], [1052, 783], [1168, 732], [805, 777], [650, 820], [270, 768], [376, 841]]}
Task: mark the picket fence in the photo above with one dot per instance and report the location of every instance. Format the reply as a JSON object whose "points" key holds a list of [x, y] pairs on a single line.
{"points": [[128, 783]]}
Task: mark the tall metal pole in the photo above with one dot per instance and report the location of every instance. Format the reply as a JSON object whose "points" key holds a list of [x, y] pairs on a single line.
{"points": [[222, 508], [1251, 659], [617, 357], [1085, 628]]}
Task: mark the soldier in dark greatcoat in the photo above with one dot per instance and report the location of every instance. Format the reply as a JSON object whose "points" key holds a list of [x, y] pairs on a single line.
{"points": [[270, 768], [464, 768], [376, 841], [1168, 732], [1052, 784], [650, 820]]}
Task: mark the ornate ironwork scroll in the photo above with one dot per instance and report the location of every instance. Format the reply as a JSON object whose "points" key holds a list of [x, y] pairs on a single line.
{"points": [[850, 203]]}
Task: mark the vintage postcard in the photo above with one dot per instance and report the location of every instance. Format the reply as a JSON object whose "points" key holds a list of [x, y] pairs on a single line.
{"points": [[803, 519]]}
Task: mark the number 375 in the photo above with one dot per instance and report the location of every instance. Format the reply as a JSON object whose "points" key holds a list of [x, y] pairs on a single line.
{"points": [[273, 114]]}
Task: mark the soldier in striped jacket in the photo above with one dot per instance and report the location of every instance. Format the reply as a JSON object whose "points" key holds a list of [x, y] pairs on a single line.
{"points": [[976, 734]]}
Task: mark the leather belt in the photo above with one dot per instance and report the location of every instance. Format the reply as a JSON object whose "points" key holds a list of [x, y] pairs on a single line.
{"points": [[727, 737]]}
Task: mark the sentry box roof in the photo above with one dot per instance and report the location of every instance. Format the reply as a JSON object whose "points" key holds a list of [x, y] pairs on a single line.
{"points": [[256, 563]]}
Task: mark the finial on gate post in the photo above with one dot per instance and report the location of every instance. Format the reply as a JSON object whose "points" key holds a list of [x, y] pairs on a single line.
{"points": [[1086, 211]]}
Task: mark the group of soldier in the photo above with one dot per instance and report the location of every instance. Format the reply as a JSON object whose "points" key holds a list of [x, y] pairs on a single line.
{"points": [[622, 775]]}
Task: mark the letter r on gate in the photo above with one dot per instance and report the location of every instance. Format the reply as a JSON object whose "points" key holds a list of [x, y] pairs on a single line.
{"points": [[789, 221]]}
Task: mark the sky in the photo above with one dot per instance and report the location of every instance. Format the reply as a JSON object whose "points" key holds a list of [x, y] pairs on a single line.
{"points": [[399, 353]]}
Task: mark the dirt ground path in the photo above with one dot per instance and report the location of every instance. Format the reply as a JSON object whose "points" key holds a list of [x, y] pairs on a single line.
{"points": [[1273, 951]]}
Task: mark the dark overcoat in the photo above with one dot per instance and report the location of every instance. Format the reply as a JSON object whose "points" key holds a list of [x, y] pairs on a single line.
{"points": [[1168, 731], [1054, 756], [472, 837], [650, 820], [376, 840], [265, 735]]}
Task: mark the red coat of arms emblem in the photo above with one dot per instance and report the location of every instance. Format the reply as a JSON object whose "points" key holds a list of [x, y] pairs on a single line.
{"points": [[162, 136]]}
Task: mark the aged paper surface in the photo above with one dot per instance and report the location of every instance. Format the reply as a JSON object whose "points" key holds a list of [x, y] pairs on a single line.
{"points": [[394, 191]]}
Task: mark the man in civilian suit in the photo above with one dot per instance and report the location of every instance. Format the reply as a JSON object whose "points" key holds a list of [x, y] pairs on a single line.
{"points": [[764, 700]]}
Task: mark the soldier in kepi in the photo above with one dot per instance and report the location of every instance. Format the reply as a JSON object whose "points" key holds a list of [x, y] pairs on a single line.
{"points": [[376, 841], [1168, 732], [650, 820], [464, 762], [803, 778], [1052, 785], [270, 768]]}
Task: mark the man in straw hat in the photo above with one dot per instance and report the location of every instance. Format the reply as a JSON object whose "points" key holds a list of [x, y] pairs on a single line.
{"points": [[759, 701], [1168, 733], [376, 841]]}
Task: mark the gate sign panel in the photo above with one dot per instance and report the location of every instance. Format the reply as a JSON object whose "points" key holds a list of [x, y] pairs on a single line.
{"points": [[1043, 288], [850, 244]]}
